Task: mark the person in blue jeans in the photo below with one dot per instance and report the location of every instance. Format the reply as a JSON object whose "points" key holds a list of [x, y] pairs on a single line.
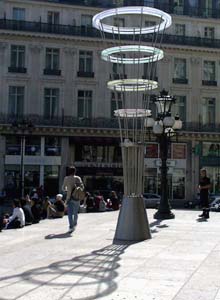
{"points": [[70, 182]]}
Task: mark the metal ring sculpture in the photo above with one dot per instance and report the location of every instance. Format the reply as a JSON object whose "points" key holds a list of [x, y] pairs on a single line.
{"points": [[132, 85], [134, 10], [155, 54], [131, 111]]}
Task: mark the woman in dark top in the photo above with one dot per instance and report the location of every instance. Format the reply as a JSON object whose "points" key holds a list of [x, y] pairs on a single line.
{"points": [[204, 186]]}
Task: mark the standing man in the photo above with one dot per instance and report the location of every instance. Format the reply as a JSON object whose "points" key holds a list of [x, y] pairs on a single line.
{"points": [[204, 186], [69, 184]]}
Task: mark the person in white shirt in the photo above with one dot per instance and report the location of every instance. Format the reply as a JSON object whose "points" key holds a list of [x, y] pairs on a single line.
{"points": [[17, 220]]}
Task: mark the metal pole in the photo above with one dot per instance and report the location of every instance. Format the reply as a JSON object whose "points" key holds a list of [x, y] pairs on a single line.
{"points": [[164, 210]]}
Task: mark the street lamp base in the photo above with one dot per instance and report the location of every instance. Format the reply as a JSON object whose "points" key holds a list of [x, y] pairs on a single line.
{"points": [[164, 215]]}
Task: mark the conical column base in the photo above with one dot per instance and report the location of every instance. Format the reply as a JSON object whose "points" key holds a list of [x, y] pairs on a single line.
{"points": [[132, 221]]}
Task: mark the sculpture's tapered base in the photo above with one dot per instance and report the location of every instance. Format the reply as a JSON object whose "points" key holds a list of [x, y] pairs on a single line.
{"points": [[132, 221]]}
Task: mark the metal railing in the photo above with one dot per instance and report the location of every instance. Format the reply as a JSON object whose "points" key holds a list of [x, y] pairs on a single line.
{"points": [[99, 122], [38, 27], [193, 11]]}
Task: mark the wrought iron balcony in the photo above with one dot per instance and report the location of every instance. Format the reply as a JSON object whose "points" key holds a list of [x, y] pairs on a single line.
{"points": [[101, 123], [70, 30], [17, 70], [53, 72], [85, 74], [115, 76], [193, 11], [180, 80], [209, 82]]}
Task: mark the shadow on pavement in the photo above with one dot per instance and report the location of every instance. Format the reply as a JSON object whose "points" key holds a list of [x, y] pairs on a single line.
{"points": [[84, 277], [157, 224], [58, 236], [201, 220]]}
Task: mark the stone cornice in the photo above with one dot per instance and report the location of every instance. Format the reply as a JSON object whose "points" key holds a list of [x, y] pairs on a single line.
{"points": [[183, 136]]}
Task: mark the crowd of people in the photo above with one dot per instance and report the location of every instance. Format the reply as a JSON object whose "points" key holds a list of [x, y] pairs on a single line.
{"points": [[34, 208]]}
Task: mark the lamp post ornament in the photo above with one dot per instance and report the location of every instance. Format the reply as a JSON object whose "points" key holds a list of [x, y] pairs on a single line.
{"points": [[165, 127]]}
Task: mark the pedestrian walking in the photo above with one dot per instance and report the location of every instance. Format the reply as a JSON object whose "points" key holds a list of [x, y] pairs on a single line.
{"points": [[204, 186], [70, 183]]}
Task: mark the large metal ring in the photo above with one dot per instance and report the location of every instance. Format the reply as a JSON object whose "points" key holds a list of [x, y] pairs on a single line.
{"points": [[132, 112], [156, 54], [134, 10], [132, 85]]}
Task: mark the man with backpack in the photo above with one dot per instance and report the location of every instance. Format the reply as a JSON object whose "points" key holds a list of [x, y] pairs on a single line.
{"points": [[71, 184]]}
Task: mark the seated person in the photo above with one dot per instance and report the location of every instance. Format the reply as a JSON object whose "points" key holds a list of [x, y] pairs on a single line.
{"points": [[57, 209], [45, 204], [89, 203], [98, 198], [29, 218], [36, 210], [17, 220], [114, 200]]}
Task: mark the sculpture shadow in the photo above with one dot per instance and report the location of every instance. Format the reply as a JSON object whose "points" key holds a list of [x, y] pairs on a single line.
{"points": [[94, 273]]}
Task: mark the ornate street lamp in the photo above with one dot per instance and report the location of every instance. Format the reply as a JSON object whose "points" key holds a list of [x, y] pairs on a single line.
{"points": [[164, 128], [22, 128]]}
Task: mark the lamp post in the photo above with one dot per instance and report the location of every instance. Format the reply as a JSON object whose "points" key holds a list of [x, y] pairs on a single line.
{"points": [[22, 128], [164, 128]]}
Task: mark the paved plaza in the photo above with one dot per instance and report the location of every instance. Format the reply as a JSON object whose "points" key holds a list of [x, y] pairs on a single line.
{"points": [[180, 262]]}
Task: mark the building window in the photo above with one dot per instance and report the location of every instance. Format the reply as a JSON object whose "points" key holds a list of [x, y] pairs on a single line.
{"points": [[84, 104], [118, 70], [209, 71], [180, 29], [53, 17], [207, 115], [52, 60], [51, 180], [51, 102], [86, 20], [179, 107], [209, 32], [150, 71], [32, 145], [180, 70], [17, 63], [86, 64], [149, 23], [16, 100], [52, 146], [13, 145], [18, 14], [119, 22], [85, 61], [116, 102]]}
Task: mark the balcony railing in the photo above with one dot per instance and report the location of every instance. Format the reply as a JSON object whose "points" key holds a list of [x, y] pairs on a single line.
{"points": [[17, 70], [173, 8], [101, 123], [53, 72], [27, 26], [180, 80], [85, 74], [209, 82], [115, 76]]}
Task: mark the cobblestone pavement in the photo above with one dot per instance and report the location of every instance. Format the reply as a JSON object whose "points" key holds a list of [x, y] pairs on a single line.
{"points": [[180, 262]]}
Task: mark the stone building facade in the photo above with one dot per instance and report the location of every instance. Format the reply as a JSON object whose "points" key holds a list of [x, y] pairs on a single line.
{"points": [[51, 74]]}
